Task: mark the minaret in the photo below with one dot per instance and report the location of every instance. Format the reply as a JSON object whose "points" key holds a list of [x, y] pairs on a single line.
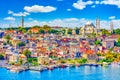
{"points": [[111, 26], [22, 21], [98, 24], [84, 32], [66, 31]]}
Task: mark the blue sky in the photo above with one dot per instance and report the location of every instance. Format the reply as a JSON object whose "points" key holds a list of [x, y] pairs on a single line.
{"points": [[66, 13]]}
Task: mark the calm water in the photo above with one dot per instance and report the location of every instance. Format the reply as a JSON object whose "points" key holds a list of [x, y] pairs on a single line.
{"points": [[80, 73]]}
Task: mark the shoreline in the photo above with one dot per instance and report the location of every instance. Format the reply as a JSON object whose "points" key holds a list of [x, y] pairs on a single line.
{"points": [[51, 67]]}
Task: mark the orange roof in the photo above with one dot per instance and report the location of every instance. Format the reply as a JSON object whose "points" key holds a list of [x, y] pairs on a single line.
{"points": [[35, 30], [9, 31], [22, 56], [89, 52]]}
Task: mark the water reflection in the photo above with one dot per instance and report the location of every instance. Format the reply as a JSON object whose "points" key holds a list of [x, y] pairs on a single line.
{"points": [[112, 72], [90, 69]]}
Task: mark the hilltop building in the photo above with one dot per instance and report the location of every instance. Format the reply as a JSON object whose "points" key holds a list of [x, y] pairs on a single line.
{"points": [[90, 28]]}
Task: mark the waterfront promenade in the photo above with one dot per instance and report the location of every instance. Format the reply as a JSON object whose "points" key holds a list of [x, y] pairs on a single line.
{"points": [[69, 73], [13, 68]]}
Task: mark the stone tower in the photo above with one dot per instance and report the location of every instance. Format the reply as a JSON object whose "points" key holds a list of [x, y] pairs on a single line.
{"points": [[98, 24], [111, 26], [22, 21]]}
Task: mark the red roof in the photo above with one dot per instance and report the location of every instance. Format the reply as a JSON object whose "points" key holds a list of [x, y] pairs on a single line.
{"points": [[83, 49]]}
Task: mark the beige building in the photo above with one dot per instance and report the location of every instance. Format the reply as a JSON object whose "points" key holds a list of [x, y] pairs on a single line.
{"points": [[43, 60], [108, 43], [13, 58]]}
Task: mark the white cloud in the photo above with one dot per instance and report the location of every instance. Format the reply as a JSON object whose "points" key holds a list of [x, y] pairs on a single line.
{"points": [[10, 12], [112, 17], [21, 14], [68, 9], [81, 5], [93, 6], [74, 22], [10, 18], [18, 14], [37, 8], [117, 23], [97, 2], [67, 22], [30, 18], [71, 20], [111, 2], [36, 22]]}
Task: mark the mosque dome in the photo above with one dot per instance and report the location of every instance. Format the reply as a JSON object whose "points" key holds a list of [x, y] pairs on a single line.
{"points": [[89, 24]]}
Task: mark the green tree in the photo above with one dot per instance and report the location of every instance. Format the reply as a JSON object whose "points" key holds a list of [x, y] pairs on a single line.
{"points": [[97, 42], [118, 57], [77, 30], [29, 32], [69, 31], [24, 31], [53, 31], [63, 31], [20, 44], [46, 27], [20, 62], [117, 31], [27, 53], [30, 60], [21, 29], [105, 32], [42, 31], [4, 43], [93, 35], [111, 49], [82, 60], [36, 26], [1, 57], [7, 37], [109, 57], [118, 42]]}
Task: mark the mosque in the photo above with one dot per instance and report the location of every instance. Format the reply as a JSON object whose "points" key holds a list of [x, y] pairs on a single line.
{"points": [[90, 28]]}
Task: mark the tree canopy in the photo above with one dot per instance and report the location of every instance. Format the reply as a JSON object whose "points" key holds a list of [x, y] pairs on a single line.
{"points": [[69, 31], [53, 31], [105, 32], [7, 37], [117, 31], [97, 42], [118, 42], [77, 30], [27, 53], [41, 31], [1, 57], [20, 44]]}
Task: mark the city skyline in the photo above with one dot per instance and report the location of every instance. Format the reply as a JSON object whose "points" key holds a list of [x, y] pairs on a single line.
{"points": [[72, 13]]}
